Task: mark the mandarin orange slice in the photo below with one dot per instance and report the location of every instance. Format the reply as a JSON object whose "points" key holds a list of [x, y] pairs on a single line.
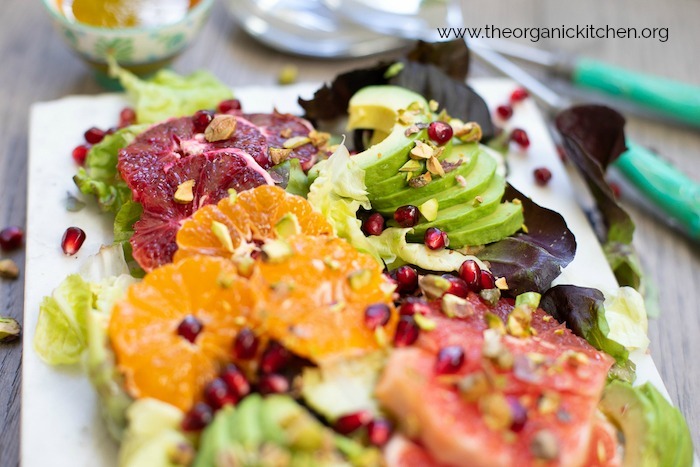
{"points": [[251, 215], [174, 330], [314, 297]]}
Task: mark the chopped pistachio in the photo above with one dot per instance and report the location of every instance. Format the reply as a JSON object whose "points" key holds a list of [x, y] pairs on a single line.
{"points": [[461, 180], [433, 286], [359, 279], [435, 167], [411, 166], [296, 142], [337, 306], [393, 70], [331, 263], [517, 201], [411, 130], [490, 296], [559, 332], [288, 74], [518, 322], [220, 128], [501, 283], [286, 133], [494, 349], [279, 155], [448, 166], [549, 403], [420, 181], [416, 106], [424, 323], [406, 117], [422, 151], [319, 138], [222, 234], [184, 193], [244, 265], [496, 411], [380, 336], [8, 269], [531, 299], [9, 329], [493, 321], [232, 196], [287, 226], [443, 116], [225, 281], [429, 209], [474, 386], [433, 105], [470, 132], [276, 251], [456, 307], [545, 445]]}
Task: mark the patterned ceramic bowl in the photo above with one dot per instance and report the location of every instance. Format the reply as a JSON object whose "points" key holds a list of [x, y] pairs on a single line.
{"points": [[142, 50]]}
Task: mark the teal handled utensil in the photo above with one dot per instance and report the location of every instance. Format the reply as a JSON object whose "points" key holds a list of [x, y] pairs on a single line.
{"points": [[680, 101], [674, 196]]}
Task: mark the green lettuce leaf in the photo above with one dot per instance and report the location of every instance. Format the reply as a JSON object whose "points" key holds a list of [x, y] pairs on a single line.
{"points": [[627, 319], [61, 332], [338, 192], [100, 177], [290, 176], [168, 95]]}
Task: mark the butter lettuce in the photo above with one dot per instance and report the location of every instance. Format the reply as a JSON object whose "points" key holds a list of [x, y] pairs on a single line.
{"points": [[100, 177], [627, 319], [61, 332], [168, 94]]}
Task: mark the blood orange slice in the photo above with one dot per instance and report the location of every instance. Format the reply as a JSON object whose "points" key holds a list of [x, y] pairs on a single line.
{"points": [[250, 216], [175, 329], [514, 401]]}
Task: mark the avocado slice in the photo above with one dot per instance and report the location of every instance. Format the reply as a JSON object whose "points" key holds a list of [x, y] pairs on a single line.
{"points": [[447, 190], [503, 222], [655, 432], [466, 153], [377, 108]]}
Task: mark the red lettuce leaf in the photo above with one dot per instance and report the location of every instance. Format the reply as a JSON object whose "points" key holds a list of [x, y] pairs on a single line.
{"points": [[434, 70], [531, 261], [593, 137]]}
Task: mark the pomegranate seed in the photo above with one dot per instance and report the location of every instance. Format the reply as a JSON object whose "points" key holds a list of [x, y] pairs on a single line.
{"points": [[273, 384], [11, 238], [373, 225], [94, 135], [407, 216], [379, 431], [406, 331], [236, 381], [542, 176], [518, 414], [189, 328], [458, 286], [413, 305], [486, 280], [440, 132], [202, 119], [73, 239], [228, 105], [519, 137], [615, 188], [504, 111], [377, 315], [519, 95], [127, 117], [80, 154], [352, 422], [218, 394], [274, 358], [406, 279], [245, 346], [435, 239], [470, 272], [449, 360], [199, 416]]}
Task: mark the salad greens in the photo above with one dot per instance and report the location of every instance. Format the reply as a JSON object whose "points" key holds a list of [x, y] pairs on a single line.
{"points": [[169, 95]]}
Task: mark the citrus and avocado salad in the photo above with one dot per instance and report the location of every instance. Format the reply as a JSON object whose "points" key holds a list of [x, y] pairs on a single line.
{"points": [[278, 295]]}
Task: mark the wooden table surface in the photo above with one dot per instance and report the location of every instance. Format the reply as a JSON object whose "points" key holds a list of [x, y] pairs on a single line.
{"points": [[36, 66]]}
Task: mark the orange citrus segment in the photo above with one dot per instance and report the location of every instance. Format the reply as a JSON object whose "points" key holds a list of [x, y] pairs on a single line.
{"points": [[154, 359], [252, 215], [314, 300]]}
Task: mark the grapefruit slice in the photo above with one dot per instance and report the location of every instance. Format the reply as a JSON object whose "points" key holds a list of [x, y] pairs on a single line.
{"points": [[156, 357], [536, 407], [252, 217]]}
